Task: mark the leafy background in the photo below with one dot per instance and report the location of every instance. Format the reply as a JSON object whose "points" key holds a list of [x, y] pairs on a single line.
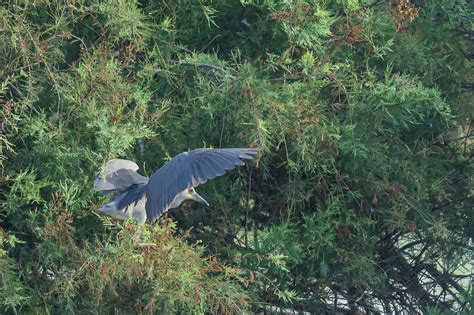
{"points": [[361, 200]]}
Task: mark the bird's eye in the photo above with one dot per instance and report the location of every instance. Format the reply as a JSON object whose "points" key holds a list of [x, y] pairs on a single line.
{"points": [[190, 190]]}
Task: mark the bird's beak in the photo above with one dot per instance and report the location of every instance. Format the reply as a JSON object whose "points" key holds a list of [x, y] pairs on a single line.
{"points": [[198, 198]]}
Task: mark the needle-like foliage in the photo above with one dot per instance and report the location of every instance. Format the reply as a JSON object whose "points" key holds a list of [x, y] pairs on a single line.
{"points": [[360, 201]]}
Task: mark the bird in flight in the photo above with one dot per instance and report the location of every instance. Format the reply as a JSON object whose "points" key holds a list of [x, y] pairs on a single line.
{"points": [[146, 199]]}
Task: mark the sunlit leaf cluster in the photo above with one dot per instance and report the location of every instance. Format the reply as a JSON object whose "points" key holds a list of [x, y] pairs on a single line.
{"points": [[359, 201]]}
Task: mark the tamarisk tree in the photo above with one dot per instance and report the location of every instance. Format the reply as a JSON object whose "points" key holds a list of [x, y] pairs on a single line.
{"points": [[360, 200]]}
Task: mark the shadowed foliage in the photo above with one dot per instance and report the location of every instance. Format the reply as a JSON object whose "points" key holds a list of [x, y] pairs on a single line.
{"points": [[360, 200]]}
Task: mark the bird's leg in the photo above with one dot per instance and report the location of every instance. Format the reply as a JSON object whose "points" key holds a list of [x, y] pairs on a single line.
{"points": [[137, 234], [136, 238]]}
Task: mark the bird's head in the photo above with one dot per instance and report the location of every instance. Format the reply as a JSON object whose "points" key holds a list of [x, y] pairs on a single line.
{"points": [[191, 193]]}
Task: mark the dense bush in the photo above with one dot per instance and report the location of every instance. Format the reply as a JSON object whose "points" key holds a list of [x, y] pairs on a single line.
{"points": [[360, 201]]}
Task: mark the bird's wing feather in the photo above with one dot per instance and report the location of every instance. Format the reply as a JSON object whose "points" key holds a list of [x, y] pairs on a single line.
{"points": [[186, 170], [117, 176], [117, 164], [134, 194]]}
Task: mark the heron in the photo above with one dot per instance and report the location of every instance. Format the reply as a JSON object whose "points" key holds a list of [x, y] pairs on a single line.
{"points": [[146, 199]]}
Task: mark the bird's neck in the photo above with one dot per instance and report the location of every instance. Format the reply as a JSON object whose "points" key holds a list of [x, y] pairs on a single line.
{"points": [[178, 200]]}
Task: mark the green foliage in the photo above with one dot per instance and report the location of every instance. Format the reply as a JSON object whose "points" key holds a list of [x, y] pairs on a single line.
{"points": [[12, 291], [163, 273], [360, 201]]}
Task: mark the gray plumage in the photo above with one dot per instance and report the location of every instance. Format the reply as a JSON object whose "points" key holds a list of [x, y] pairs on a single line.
{"points": [[134, 195], [117, 176]]}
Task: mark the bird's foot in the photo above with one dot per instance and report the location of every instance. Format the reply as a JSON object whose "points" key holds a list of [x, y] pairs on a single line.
{"points": [[146, 244]]}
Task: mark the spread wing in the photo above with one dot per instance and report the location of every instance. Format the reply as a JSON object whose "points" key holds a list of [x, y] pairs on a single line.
{"points": [[186, 170], [117, 176]]}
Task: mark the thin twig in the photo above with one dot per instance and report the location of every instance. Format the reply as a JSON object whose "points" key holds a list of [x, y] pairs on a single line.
{"points": [[222, 131], [17, 90], [247, 210], [211, 41], [467, 136], [206, 66]]}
